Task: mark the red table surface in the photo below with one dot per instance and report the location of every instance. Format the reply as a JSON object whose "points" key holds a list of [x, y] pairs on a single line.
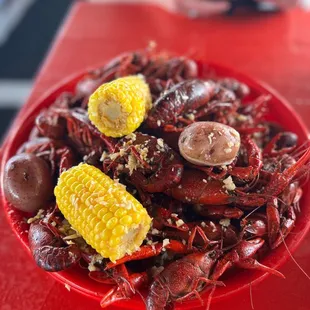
{"points": [[274, 49]]}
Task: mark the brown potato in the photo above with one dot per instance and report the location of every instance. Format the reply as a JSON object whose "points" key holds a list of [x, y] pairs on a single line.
{"points": [[209, 144], [27, 182]]}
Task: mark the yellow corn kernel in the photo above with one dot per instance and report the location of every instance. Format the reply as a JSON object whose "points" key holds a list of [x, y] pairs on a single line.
{"points": [[107, 217], [111, 223], [118, 230], [136, 218], [120, 212], [126, 220], [79, 188], [118, 108], [106, 234], [101, 213], [94, 221], [114, 241], [112, 229]]}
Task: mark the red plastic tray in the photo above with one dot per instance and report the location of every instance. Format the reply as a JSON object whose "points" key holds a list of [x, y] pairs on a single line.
{"points": [[280, 111]]}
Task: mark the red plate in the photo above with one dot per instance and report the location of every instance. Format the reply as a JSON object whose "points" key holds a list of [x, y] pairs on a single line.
{"points": [[77, 278]]}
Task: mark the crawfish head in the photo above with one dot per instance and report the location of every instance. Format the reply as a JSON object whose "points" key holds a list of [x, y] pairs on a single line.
{"points": [[55, 152], [272, 165], [148, 161], [182, 279], [50, 124], [166, 68], [240, 89], [292, 171], [84, 136], [49, 251], [255, 225]]}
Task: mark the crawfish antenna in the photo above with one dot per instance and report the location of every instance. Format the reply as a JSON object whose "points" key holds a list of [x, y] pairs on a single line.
{"points": [[299, 150], [292, 257], [210, 297], [251, 297], [253, 211], [143, 299]]}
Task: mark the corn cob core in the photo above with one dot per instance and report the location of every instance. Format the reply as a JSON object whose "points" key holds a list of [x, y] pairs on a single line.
{"points": [[118, 108], [109, 218]]}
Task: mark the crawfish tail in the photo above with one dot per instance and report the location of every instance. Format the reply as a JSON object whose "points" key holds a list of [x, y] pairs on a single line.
{"points": [[52, 258], [182, 97], [49, 251]]}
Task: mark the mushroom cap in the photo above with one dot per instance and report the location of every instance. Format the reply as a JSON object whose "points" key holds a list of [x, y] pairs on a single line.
{"points": [[209, 144]]}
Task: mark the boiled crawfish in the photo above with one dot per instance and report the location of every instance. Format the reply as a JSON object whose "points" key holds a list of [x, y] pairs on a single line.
{"points": [[186, 277], [187, 101], [149, 163], [49, 251], [195, 189]]}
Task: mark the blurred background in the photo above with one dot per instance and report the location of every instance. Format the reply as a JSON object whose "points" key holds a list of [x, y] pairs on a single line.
{"points": [[27, 28]]}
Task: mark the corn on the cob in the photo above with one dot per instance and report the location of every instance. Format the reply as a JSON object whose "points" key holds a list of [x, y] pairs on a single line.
{"points": [[118, 108], [109, 218]]}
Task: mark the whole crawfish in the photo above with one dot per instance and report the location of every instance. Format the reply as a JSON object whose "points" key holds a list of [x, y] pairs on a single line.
{"points": [[187, 101], [49, 251], [149, 163], [195, 189], [186, 277]]}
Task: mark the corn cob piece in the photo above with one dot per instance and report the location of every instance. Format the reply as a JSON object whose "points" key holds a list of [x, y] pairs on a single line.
{"points": [[118, 108], [109, 218]]}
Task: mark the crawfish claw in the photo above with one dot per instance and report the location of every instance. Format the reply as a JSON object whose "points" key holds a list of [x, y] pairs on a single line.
{"points": [[112, 296], [242, 256], [252, 263], [125, 290]]}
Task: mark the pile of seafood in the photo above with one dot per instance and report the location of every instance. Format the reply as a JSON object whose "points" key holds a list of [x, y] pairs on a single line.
{"points": [[192, 181]]}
